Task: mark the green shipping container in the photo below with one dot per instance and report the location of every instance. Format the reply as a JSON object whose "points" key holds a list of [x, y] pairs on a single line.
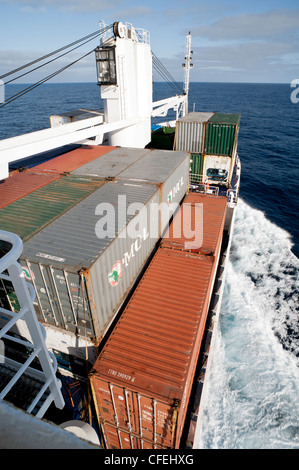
{"points": [[196, 164], [221, 134], [28, 215]]}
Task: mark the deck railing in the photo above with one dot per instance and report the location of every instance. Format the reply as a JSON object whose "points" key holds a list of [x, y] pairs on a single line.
{"points": [[12, 368]]}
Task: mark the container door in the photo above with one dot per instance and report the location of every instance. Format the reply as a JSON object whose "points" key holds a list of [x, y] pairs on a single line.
{"points": [[196, 167], [131, 420]]}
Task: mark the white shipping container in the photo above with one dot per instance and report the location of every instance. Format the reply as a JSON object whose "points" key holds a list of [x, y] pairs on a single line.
{"points": [[190, 130], [217, 169]]}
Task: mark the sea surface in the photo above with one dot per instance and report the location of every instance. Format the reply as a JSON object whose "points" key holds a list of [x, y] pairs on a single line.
{"points": [[254, 385]]}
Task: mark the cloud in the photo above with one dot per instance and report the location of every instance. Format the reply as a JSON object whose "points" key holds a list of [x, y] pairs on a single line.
{"points": [[134, 12], [251, 26], [33, 9], [70, 5], [249, 54]]}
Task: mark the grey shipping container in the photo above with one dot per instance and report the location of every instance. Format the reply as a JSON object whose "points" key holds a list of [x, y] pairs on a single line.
{"points": [[166, 168], [112, 163], [190, 130], [81, 279]]}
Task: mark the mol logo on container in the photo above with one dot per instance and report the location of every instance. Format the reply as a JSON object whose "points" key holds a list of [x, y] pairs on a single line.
{"points": [[117, 269], [175, 190], [28, 273], [116, 274]]}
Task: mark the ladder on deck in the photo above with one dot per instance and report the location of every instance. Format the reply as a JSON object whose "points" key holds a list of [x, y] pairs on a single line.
{"points": [[29, 381]]}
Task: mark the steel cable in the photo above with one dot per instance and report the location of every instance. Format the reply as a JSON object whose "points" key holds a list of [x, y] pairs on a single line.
{"points": [[43, 80], [95, 34]]}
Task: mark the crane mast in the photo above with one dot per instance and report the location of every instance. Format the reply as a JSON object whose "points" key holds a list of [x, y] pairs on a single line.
{"points": [[187, 65]]}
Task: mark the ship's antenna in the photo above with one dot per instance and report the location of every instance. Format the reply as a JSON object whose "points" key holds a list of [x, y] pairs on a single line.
{"points": [[187, 66]]}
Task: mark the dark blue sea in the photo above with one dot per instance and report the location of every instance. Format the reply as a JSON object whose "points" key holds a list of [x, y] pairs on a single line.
{"points": [[254, 385]]}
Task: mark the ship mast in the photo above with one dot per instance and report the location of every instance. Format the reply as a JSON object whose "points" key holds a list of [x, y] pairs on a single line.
{"points": [[187, 66]]}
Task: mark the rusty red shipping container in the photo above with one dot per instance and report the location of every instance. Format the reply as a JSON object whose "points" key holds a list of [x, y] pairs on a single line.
{"points": [[143, 377], [74, 159], [142, 380], [21, 184], [213, 219]]}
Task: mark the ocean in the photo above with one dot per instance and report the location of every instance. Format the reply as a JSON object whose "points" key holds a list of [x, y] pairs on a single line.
{"points": [[254, 385]]}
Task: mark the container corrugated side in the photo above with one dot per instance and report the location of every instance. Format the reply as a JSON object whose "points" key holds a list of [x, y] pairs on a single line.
{"points": [[213, 219], [112, 163], [189, 134], [69, 161], [19, 185], [81, 280], [142, 379], [31, 213], [221, 132]]}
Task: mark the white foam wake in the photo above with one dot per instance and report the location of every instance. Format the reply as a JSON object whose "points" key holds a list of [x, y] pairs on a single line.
{"points": [[254, 385]]}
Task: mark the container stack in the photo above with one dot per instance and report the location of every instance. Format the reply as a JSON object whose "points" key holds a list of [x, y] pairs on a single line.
{"points": [[142, 379], [88, 231], [211, 139]]}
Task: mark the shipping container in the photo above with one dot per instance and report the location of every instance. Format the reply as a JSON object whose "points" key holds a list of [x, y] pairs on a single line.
{"points": [[209, 221], [56, 120], [196, 168], [221, 134], [162, 138], [110, 164], [80, 278], [217, 169], [190, 130], [18, 185], [31, 213], [68, 162], [142, 379], [168, 169]]}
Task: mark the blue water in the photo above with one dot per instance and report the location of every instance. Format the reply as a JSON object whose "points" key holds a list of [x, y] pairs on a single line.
{"points": [[254, 385]]}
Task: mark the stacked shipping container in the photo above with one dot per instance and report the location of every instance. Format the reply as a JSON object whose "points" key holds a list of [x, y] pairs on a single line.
{"points": [[211, 139], [142, 379], [80, 278]]}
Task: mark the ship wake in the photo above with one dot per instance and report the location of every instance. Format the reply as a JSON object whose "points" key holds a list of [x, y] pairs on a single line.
{"points": [[253, 388]]}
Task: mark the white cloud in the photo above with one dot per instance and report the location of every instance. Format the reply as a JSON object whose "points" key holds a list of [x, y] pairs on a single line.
{"points": [[134, 12], [70, 5], [251, 26], [33, 9]]}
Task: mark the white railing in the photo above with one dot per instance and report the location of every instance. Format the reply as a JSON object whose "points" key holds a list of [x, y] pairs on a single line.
{"points": [[197, 180], [49, 386], [161, 108]]}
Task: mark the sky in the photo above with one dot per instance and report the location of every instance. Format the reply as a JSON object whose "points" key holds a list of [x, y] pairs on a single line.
{"points": [[232, 41]]}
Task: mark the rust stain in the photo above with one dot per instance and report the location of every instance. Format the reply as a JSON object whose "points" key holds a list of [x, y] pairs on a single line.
{"points": [[21, 184]]}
